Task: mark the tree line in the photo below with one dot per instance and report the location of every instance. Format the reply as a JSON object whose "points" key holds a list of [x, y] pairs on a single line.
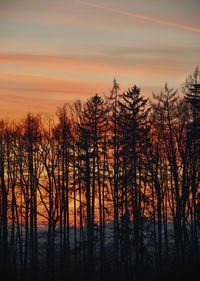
{"points": [[111, 186]]}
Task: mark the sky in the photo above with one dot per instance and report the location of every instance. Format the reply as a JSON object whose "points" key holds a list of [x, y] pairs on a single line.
{"points": [[53, 52]]}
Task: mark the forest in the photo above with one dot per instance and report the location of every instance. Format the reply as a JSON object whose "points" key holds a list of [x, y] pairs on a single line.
{"points": [[107, 190]]}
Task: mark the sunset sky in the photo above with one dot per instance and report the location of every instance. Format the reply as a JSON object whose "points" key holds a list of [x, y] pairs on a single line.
{"points": [[56, 51]]}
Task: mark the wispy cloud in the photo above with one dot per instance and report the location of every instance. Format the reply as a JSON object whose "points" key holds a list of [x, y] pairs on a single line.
{"points": [[140, 17], [21, 93], [136, 63]]}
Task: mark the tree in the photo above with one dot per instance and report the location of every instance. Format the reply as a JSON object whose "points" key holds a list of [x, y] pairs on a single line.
{"points": [[192, 97], [132, 128], [113, 103], [62, 134], [90, 135]]}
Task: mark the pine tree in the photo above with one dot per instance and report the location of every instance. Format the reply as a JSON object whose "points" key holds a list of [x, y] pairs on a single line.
{"points": [[91, 128], [132, 128]]}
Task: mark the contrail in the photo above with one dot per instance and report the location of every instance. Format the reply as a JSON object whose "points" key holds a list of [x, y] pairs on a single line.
{"points": [[154, 20]]}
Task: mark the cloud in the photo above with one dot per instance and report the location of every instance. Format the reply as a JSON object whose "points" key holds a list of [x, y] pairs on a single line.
{"points": [[140, 17], [176, 53], [33, 87], [137, 63], [21, 93]]}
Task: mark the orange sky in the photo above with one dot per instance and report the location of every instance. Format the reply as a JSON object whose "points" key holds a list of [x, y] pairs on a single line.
{"points": [[55, 52]]}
